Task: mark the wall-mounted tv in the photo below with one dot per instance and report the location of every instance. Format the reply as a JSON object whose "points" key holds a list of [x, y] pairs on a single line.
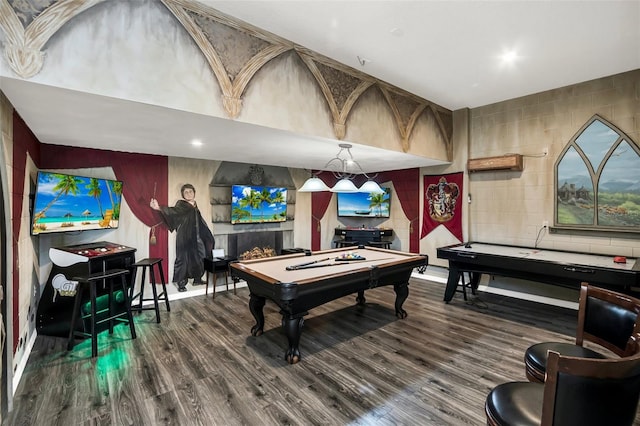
{"points": [[363, 204], [258, 204], [65, 203]]}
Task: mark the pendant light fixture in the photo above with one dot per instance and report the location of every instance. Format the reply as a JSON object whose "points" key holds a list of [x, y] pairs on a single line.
{"points": [[340, 166]]}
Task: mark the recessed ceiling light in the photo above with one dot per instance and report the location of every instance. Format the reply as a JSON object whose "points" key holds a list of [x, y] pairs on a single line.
{"points": [[509, 57], [196, 142]]}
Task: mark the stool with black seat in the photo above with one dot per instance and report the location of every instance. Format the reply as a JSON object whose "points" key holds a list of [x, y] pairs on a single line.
{"points": [[343, 244], [463, 285], [380, 244], [607, 318], [423, 268], [148, 264], [108, 278]]}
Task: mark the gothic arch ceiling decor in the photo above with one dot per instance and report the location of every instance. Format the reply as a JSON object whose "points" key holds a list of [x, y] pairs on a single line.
{"points": [[27, 30], [235, 51], [234, 54]]}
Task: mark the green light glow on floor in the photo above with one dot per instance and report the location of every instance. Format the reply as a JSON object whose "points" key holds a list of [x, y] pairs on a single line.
{"points": [[102, 302], [110, 357], [114, 359]]}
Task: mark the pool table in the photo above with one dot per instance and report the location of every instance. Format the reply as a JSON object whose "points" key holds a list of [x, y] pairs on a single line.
{"points": [[556, 267], [299, 282]]}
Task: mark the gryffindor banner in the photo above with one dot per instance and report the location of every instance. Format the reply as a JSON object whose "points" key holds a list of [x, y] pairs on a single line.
{"points": [[442, 203]]}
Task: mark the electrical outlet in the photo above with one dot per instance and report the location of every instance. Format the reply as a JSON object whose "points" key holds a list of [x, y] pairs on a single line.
{"points": [[545, 223]]}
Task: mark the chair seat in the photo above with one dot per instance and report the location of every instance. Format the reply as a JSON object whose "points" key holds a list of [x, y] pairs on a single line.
{"points": [[535, 357], [515, 403]]}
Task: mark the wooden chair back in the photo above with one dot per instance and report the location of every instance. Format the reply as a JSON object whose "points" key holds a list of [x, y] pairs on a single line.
{"points": [[585, 391], [608, 318]]}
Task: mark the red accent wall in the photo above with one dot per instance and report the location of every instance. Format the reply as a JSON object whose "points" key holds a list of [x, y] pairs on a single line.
{"points": [[142, 176]]}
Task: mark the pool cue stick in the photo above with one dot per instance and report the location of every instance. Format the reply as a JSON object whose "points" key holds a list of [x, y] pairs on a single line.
{"points": [[311, 266], [301, 265], [336, 263]]}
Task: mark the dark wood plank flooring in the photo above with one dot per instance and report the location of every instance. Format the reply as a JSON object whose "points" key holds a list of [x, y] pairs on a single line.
{"points": [[360, 366]]}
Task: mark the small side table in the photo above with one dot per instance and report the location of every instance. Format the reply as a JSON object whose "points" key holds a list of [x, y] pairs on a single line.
{"points": [[215, 266]]}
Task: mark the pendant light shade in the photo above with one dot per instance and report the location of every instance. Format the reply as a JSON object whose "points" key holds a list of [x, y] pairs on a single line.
{"points": [[344, 185], [314, 184], [371, 187]]}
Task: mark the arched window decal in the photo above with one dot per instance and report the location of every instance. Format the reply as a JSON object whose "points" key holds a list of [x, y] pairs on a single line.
{"points": [[597, 180]]}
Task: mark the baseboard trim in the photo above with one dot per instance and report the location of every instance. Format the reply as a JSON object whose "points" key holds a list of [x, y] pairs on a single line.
{"points": [[17, 375]]}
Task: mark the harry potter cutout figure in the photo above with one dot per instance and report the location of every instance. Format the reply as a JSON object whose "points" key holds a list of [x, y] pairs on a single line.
{"points": [[194, 240]]}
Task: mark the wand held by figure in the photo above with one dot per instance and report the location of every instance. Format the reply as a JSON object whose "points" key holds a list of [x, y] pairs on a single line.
{"points": [[153, 239]]}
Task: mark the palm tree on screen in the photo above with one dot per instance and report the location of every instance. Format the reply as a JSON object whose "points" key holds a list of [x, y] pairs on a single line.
{"points": [[117, 189], [66, 184], [250, 201], [265, 198], [95, 192], [238, 214], [377, 201]]}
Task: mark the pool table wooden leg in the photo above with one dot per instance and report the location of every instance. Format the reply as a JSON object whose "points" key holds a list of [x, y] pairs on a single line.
{"points": [[292, 327], [256, 304], [402, 292]]}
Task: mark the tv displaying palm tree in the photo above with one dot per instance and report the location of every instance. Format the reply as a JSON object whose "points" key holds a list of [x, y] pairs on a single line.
{"points": [[364, 204], [65, 202], [258, 204]]}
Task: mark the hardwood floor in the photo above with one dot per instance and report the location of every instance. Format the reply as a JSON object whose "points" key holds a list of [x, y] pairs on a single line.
{"points": [[360, 366]]}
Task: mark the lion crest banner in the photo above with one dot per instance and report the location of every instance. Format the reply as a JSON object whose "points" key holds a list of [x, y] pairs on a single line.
{"points": [[442, 203]]}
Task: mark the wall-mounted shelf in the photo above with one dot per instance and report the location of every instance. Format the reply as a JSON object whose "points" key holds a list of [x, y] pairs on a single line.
{"points": [[505, 162]]}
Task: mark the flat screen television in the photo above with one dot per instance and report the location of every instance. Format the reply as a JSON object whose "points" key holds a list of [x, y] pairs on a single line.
{"points": [[258, 204], [65, 203], [363, 204]]}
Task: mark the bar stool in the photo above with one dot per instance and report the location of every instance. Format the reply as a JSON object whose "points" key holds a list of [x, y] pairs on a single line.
{"points": [[343, 244], [463, 285], [380, 244], [108, 277], [422, 268], [148, 263]]}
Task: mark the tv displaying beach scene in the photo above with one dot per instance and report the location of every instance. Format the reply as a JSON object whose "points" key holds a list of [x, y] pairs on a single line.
{"points": [[258, 204], [364, 204], [65, 202]]}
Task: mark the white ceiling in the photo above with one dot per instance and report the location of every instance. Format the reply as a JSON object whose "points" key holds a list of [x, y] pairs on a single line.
{"points": [[448, 52]]}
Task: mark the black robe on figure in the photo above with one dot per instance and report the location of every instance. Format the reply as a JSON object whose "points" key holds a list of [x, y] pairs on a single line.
{"points": [[194, 240]]}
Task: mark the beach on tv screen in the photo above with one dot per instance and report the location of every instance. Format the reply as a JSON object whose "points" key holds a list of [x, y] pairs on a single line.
{"points": [[66, 203], [363, 204], [258, 204]]}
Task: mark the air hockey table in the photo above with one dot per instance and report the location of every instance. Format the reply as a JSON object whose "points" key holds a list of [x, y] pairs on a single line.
{"points": [[556, 267]]}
